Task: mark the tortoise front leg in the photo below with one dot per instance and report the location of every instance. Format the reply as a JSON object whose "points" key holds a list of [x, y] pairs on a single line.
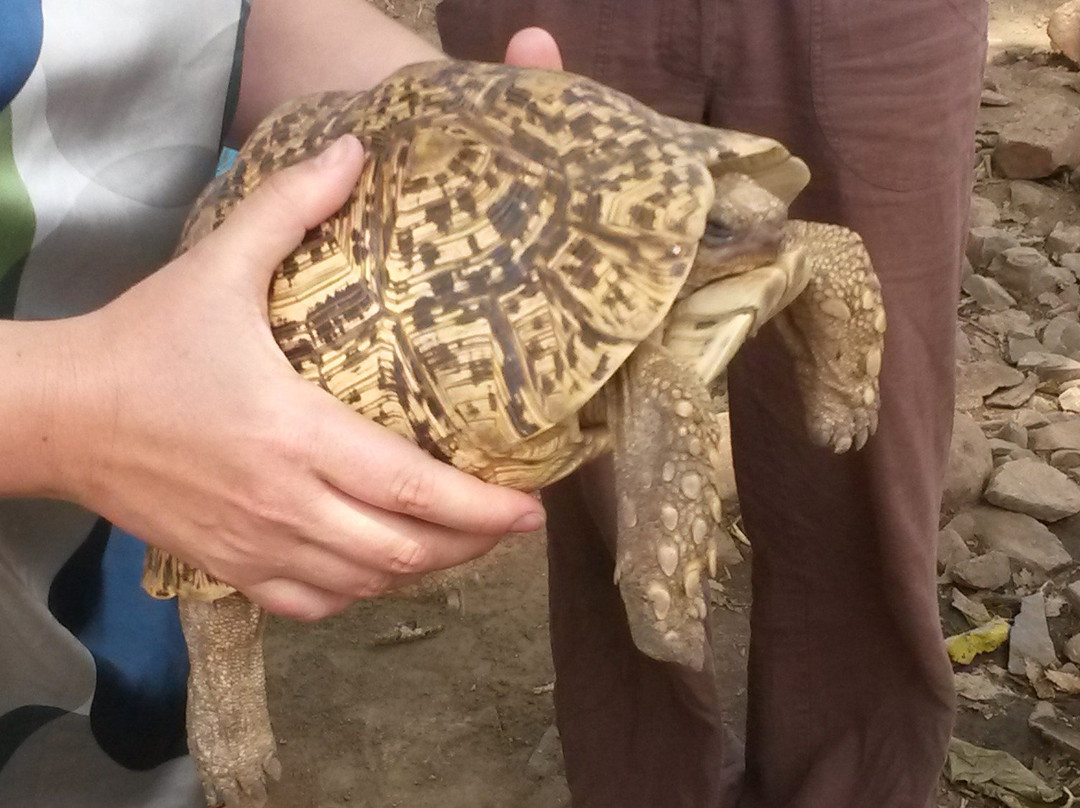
{"points": [[668, 504], [229, 733]]}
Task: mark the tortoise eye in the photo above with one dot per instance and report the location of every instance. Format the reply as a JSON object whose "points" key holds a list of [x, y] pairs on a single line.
{"points": [[717, 234]]}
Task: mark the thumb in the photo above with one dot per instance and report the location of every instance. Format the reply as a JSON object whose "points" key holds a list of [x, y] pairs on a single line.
{"points": [[263, 229], [533, 47]]}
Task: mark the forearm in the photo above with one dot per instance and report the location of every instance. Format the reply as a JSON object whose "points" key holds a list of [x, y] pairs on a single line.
{"points": [[39, 371], [293, 48]]}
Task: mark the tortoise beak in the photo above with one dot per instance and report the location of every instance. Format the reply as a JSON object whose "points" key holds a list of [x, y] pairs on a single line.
{"points": [[711, 324]]}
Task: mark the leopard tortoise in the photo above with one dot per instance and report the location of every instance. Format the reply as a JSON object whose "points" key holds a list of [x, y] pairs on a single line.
{"points": [[534, 270]]}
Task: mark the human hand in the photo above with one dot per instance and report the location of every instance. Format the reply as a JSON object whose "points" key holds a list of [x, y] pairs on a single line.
{"points": [[183, 423]]}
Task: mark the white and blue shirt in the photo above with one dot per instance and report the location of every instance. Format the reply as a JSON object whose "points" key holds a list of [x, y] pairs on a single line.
{"points": [[111, 118]]}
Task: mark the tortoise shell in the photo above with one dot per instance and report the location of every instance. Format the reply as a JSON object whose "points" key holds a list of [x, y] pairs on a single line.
{"points": [[515, 234]]}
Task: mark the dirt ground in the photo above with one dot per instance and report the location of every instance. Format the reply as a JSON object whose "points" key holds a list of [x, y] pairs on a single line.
{"points": [[462, 717]]}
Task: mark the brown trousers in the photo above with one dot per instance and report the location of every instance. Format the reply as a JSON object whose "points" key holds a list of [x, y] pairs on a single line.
{"points": [[850, 692]]}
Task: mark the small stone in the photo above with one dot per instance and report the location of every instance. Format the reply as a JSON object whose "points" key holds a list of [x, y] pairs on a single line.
{"points": [[1004, 451], [1009, 322], [984, 213], [1051, 368], [1014, 397], [1072, 649], [970, 464], [1030, 636], [1046, 722], [988, 293], [1072, 595], [1034, 488], [976, 613], [1071, 262], [1043, 139], [1060, 435], [1021, 345], [1062, 336], [1014, 433], [992, 98], [983, 378], [986, 243], [1030, 419], [1070, 400], [964, 352], [964, 524], [1023, 271], [1065, 459], [951, 549], [1064, 238], [989, 571], [1033, 198]]}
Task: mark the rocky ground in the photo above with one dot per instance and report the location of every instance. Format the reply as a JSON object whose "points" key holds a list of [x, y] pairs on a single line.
{"points": [[441, 697]]}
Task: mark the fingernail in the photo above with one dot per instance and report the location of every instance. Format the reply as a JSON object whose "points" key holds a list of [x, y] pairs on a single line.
{"points": [[335, 153], [529, 522]]}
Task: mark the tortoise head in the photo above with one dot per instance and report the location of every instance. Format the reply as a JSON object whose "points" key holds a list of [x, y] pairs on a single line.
{"points": [[744, 230], [746, 267]]}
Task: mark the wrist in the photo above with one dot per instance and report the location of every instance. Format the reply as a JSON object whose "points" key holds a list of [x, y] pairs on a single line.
{"points": [[43, 405]]}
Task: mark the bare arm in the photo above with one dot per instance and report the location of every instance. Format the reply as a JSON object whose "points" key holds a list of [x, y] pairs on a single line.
{"points": [[294, 48], [172, 412]]}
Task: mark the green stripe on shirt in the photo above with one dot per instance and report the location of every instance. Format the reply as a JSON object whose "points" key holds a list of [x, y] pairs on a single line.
{"points": [[16, 219]]}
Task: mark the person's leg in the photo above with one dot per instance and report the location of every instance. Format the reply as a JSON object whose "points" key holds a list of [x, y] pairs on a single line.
{"points": [[850, 700], [636, 733]]}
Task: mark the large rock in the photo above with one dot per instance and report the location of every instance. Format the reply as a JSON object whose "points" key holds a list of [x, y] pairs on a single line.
{"points": [[1064, 30], [1034, 488], [1043, 139], [971, 462], [1021, 537]]}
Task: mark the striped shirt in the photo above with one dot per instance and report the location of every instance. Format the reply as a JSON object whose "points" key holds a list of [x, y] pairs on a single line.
{"points": [[111, 116]]}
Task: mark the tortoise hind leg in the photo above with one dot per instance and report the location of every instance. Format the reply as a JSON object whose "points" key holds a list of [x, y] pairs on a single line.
{"points": [[835, 332], [229, 733], [668, 505]]}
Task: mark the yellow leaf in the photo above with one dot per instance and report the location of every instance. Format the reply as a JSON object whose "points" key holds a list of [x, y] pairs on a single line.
{"points": [[962, 648]]}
